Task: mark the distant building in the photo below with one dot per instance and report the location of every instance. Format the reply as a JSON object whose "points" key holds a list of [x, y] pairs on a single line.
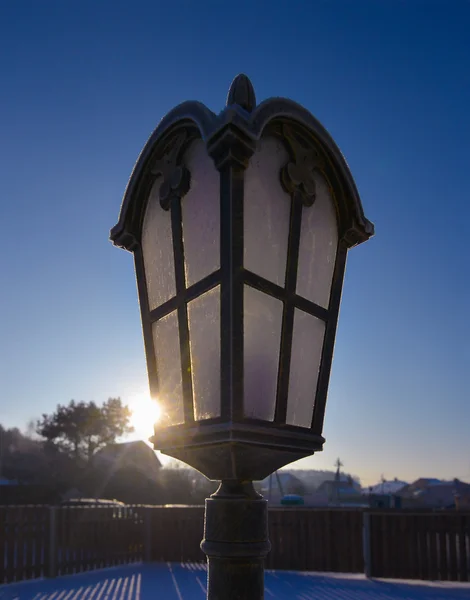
{"points": [[462, 500], [386, 487], [341, 491], [435, 494], [129, 455], [384, 501], [315, 487], [385, 494], [421, 484], [282, 483], [128, 472]]}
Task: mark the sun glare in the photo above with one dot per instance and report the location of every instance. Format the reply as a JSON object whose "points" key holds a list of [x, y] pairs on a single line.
{"points": [[145, 413]]}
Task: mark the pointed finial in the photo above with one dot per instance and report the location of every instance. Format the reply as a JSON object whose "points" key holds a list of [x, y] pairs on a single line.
{"points": [[241, 92]]}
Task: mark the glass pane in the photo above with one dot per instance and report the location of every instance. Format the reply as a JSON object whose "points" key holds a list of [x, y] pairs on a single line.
{"points": [[266, 212], [262, 328], [157, 248], [201, 210], [170, 385], [204, 333], [318, 243], [307, 344]]}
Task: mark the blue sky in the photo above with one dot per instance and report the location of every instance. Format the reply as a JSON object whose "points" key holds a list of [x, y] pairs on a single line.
{"points": [[83, 85]]}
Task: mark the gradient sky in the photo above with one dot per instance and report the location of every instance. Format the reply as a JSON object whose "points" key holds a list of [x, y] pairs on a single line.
{"points": [[84, 83]]}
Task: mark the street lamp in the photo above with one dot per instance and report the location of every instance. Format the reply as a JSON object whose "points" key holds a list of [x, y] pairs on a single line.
{"points": [[239, 224]]}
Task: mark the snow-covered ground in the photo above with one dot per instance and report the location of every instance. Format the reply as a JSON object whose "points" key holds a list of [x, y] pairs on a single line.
{"points": [[188, 582]]}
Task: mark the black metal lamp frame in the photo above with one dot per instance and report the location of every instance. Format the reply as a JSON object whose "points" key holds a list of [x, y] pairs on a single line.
{"points": [[223, 447], [234, 448]]}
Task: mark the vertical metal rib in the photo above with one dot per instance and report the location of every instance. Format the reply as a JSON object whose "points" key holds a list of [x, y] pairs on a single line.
{"points": [[231, 321], [289, 309], [183, 324], [329, 340], [146, 321]]}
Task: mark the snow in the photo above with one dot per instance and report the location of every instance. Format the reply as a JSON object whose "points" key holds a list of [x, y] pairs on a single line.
{"points": [[386, 487], [188, 582]]}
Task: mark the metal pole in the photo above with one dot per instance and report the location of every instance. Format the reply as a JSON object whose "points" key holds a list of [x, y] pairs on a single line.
{"points": [[235, 542]]}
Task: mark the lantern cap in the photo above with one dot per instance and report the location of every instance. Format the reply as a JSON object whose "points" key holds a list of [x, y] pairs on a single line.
{"points": [[242, 93]]}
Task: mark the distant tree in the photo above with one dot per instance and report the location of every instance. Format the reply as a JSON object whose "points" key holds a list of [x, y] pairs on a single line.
{"points": [[201, 487], [24, 462], [21, 458], [297, 488], [176, 485], [79, 429]]}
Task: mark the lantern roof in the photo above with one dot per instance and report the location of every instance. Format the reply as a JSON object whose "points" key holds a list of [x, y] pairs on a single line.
{"points": [[241, 121]]}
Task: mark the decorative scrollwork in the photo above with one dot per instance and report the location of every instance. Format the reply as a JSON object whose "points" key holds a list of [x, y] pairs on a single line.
{"points": [[357, 234], [176, 177], [297, 177]]}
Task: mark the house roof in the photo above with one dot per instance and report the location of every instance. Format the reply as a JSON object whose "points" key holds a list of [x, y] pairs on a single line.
{"points": [[386, 487], [423, 483], [129, 455], [440, 494]]}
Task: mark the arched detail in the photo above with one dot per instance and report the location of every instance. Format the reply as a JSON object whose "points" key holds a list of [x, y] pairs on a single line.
{"points": [[355, 227], [234, 132], [191, 116]]}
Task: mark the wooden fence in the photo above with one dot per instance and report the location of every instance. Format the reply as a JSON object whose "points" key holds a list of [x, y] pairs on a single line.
{"points": [[434, 546], [316, 540], [42, 541]]}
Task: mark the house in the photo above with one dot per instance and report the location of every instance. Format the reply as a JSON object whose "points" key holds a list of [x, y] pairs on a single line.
{"points": [[436, 494], [280, 484], [341, 493], [285, 483], [385, 494], [342, 490], [128, 472], [446, 494], [421, 484], [462, 500], [129, 455], [386, 487]]}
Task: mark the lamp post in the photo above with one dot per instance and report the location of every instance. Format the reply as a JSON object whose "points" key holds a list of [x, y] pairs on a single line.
{"points": [[239, 224]]}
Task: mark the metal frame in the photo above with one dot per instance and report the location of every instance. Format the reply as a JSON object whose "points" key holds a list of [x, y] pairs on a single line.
{"points": [[232, 445]]}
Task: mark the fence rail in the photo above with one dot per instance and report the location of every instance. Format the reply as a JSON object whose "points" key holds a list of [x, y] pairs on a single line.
{"points": [[43, 541]]}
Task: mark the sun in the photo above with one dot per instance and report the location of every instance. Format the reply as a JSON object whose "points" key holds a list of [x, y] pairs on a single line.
{"points": [[145, 412]]}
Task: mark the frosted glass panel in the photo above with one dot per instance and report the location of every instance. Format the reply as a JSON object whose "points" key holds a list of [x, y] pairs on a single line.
{"points": [[266, 212], [318, 243], [263, 320], [157, 248], [204, 333], [167, 349], [201, 210], [307, 346]]}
